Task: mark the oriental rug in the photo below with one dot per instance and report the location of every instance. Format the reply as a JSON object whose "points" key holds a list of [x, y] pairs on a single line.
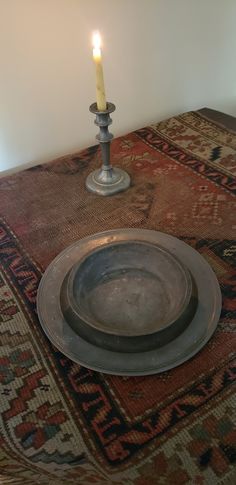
{"points": [[64, 424]]}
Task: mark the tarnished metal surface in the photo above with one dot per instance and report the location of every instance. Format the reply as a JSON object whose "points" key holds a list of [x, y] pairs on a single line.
{"points": [[129, 288], [134, 294], [193, 337], [120, 343], [107, 180]]}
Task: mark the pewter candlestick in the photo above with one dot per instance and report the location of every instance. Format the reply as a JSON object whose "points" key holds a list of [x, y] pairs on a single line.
{"points": [[107, 180]]}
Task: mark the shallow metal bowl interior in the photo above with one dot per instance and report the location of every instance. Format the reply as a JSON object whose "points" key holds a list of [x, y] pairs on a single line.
{"points": [[129, 289]]}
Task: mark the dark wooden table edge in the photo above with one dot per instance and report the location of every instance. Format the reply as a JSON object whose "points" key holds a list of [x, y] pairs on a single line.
{"points": [[223, 120]]}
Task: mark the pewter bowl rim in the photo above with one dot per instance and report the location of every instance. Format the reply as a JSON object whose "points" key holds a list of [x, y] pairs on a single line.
{"points": [[187, 291]]}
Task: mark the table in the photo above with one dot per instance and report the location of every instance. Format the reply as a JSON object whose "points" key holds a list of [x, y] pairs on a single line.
{"points": [[65, 424]]}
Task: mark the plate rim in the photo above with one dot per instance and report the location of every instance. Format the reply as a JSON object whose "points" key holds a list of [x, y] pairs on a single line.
{"points": [[191, 350]]}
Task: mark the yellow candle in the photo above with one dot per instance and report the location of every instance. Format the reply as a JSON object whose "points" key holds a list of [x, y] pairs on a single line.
{"points": [[97, 57]]}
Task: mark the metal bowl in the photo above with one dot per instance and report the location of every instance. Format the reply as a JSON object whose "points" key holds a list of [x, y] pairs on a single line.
{"points": [[128, 296], [68, 337]]}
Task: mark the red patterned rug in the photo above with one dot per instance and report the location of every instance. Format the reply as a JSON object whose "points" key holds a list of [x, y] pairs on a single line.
{"points": [[64, 424]]}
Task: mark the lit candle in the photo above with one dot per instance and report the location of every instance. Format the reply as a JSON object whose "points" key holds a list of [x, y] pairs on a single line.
{"points": [[97, 57]]}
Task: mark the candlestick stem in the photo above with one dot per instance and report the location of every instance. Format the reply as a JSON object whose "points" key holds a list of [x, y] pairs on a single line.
{"points": [[107, 180]]}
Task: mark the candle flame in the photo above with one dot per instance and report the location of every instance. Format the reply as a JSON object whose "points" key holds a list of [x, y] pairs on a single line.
{"points": [[96, 40]]}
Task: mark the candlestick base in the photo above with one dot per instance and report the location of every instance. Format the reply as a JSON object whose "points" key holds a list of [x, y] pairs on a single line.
{"points": [[108, 182]]}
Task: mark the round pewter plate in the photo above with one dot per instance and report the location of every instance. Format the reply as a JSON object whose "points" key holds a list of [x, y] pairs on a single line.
{"points": [[170, 355]]}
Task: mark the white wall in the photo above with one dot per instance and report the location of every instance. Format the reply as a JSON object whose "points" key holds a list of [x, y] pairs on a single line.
{"points": [[161, 57]]}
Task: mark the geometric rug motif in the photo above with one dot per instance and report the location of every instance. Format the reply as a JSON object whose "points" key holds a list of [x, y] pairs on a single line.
{"points": [[34, 415], [38, 421], [193, 141]]}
